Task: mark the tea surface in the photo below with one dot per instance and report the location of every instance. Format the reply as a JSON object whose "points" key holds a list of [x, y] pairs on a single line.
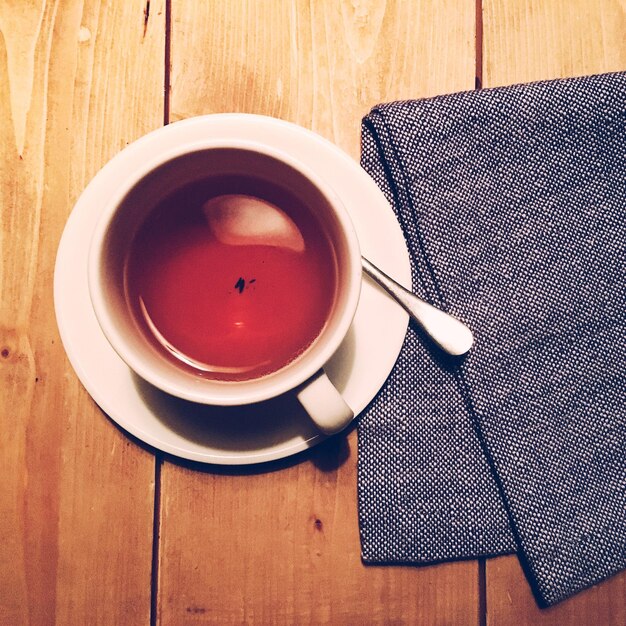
{"points": [[230, 278]]}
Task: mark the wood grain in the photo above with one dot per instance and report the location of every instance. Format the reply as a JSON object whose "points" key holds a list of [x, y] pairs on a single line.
{"points": [[510, 600], [76, 503], [319, 64], [281, 544], [526, 40]]}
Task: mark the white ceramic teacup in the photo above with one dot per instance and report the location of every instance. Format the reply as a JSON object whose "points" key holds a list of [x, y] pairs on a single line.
{"points": [[135, 199]]}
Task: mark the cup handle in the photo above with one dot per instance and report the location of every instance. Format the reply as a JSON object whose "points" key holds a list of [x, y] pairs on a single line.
{"points": [[324, 404]]}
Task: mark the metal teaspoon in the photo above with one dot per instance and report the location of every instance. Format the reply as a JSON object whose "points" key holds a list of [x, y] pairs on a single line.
{"points": [[449, 333]]}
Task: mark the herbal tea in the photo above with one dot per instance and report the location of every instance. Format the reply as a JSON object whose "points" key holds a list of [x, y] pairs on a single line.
{"points": [[232, 278]]}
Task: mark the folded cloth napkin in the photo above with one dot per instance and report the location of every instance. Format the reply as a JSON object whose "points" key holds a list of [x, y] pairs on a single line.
{"points": [[513, 204]]}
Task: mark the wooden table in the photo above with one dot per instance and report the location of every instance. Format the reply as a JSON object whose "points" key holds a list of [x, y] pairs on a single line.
{"points": [[95, 527]]}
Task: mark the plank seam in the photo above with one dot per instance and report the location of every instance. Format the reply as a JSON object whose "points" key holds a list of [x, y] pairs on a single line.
{"points": [[156, 538], [168, 63], [478, 68]]}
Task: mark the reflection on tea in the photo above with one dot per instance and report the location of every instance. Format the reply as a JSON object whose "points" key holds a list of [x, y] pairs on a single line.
{"points": [[232, 278]]}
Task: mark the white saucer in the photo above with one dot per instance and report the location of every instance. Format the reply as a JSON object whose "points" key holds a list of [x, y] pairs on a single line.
{"points": [[266, 431]]}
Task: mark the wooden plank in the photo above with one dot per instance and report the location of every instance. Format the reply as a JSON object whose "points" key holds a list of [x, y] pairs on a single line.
{"points": [[280, 544], [510, 600], [321, 64], [526, 40], [523, 41], [76, 503]]}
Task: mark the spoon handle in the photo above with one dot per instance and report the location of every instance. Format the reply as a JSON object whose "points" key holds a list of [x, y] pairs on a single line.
{"points": [[449, 333]]}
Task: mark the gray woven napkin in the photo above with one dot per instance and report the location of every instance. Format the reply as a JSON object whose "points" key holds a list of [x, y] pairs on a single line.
{"points": [[513, 204]]}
